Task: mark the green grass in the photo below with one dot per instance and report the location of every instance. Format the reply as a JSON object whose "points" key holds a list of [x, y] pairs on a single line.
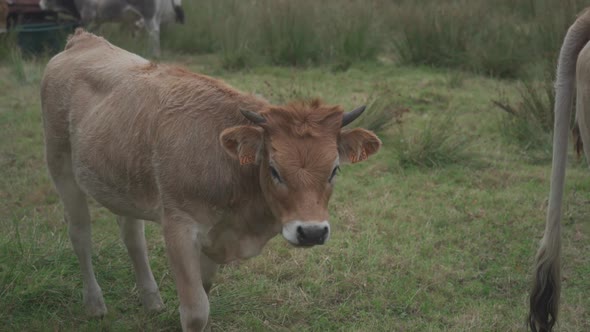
{"points": [[502, 38], [435, 144], [447, 247], [506, 39], [529, 123], [302, 33]]}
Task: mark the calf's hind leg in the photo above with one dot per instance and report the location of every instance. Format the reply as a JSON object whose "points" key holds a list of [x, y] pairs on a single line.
{"points": [[132, 233], [78, 219], [208, 271]]}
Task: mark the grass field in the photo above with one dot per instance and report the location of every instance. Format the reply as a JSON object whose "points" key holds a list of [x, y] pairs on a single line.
{"points": [[438, 232]]}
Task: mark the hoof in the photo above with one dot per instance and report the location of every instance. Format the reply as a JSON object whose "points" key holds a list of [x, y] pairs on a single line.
{"points": [[96, 307], [152, 302]]}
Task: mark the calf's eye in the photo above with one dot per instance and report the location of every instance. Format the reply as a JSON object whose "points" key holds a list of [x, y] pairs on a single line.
{"points": [[275, 175], [334, 173]]}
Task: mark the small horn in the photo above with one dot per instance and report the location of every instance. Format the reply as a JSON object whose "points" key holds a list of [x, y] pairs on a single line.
{"points": [[253, 116], [352, 115]]}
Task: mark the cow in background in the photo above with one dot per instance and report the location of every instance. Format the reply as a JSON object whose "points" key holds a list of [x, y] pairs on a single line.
{"points": [[148, 14]]}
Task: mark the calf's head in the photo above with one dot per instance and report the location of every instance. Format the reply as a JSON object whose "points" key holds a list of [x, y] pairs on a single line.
{"points": [[299, 149]]}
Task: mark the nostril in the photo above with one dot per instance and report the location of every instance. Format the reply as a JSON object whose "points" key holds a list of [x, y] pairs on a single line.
{"points": [[324, 234], [300, 232]]}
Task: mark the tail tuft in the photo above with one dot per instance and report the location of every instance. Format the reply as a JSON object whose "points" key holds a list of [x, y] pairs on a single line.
{"points": [[544, 299], [179, 12]]}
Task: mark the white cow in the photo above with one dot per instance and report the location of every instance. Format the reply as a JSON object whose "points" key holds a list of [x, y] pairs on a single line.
{"points": [[573, 76], [151, 13]]}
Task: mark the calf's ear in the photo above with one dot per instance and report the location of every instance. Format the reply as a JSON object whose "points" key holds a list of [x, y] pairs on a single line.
{"points": [[357, 145], [243, 143]]}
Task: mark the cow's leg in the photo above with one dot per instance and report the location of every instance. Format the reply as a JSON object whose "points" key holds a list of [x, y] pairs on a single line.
{"points": [[183, 249], [208, 271], [132, 233], [138, 26], [78, 218], [152, 26], [88, 18], [129, 27]]}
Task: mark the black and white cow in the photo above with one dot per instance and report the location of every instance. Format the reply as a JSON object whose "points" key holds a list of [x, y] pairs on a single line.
{"points": [[93, 13]]}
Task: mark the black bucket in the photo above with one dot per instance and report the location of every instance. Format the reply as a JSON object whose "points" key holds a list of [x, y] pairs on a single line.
{"points": [[43, 38]]}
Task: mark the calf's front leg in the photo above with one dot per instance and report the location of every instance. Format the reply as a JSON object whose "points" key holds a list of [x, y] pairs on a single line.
{"points": [[132, 233], [183, 249]]}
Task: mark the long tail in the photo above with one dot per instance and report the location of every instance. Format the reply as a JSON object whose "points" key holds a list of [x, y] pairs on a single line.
{"points": [[544, 297]]}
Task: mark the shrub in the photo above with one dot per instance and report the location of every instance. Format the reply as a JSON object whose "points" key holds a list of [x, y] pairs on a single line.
{"points": [[529, 122], [382, 110], [236, 36], [289, 33], [436, 34], [354, 32], [501, 38], [500, 50], [17, 65], [7, 46], [498, 38], [436, 144]]}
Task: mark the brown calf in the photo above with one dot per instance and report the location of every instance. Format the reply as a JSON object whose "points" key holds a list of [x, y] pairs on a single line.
{"points": [[222, 171]]}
